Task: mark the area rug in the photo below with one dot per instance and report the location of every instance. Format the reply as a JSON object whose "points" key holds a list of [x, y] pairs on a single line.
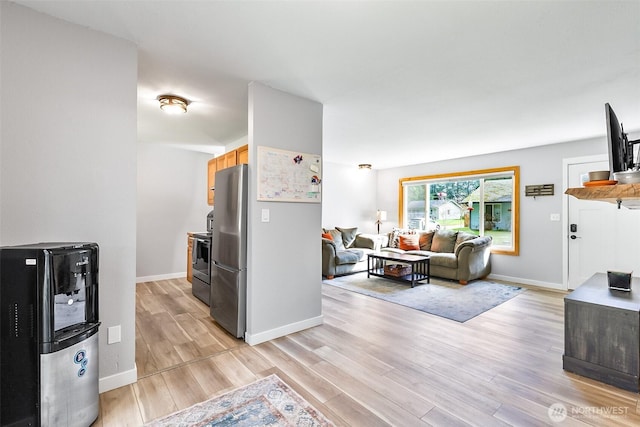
{"points": [[443, 298], [266, 402]]}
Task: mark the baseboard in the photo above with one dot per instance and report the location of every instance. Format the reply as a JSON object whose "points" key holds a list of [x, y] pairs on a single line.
{"points": [[529, 282], [118, 380], [161, 277], [254, 339]]}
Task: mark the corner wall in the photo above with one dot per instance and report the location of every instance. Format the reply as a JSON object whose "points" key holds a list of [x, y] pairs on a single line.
{"points": [[284, 274], [68, 157]]}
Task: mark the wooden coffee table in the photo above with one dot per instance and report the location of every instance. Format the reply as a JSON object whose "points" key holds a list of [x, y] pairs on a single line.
{"points": [[420, 266]]}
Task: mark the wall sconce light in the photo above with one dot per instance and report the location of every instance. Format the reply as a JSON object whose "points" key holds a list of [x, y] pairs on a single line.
{"points": [[380, 216], [365, 166], [172, 104]]}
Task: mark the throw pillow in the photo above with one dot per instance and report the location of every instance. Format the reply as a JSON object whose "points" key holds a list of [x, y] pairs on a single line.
{"points": [[444, 241], [348, 235], [408, 242], [327, 236], [336, 236], [393, 238], [425, 240]]}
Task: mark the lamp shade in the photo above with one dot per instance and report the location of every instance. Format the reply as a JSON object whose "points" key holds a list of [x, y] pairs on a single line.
{"points": [[381, 216]]}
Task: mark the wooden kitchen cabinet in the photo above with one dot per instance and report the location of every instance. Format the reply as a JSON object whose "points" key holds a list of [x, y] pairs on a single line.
{"points": [[230, 159], [211, 180], [223, 161], [243, 155], [189, 257]]}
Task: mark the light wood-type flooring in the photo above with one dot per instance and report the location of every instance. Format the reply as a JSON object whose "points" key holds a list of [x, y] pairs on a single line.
{"points": [[372, 363]]}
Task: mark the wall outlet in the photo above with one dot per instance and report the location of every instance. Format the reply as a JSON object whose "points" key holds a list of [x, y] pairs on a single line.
{"points": [[554, 217], [113, 334]]}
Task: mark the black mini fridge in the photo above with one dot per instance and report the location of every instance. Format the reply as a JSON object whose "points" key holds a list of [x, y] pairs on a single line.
{"points": [[49, 341]]}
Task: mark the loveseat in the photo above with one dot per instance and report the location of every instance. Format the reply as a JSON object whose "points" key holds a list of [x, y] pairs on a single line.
{"points": [[345, 251], [454, 255]]}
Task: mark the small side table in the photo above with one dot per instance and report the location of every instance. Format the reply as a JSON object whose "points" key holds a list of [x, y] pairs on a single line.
{"points": [[602, 333]]}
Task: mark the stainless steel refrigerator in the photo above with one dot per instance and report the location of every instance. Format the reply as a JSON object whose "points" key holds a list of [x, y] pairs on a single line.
{"points": [[229, 251]]}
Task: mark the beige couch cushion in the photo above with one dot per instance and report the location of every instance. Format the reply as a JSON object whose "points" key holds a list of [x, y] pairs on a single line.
{"points": [[444, 260], [348, 235], [444, 241], [350, 256], [336, 235]]}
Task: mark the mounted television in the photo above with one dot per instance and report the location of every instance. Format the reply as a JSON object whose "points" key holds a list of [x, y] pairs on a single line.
{"points": [[620, 148]]}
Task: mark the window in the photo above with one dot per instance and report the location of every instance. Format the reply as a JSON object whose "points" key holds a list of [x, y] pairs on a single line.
{"points": [[482, 202]]}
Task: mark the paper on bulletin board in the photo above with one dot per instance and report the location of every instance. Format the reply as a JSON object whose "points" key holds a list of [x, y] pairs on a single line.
{"points": [[289, 176]]}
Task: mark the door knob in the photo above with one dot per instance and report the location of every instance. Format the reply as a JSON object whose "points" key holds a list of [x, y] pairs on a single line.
{"points": [[574, 237]]}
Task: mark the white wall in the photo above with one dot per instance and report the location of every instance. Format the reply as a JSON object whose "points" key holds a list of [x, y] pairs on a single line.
{"points": [[349, 198], [68, 157], [540, 259], [172, 200], [284, 255]]}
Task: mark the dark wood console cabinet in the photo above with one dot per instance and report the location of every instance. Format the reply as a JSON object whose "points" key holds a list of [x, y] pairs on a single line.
{"points": [[602, 333]]}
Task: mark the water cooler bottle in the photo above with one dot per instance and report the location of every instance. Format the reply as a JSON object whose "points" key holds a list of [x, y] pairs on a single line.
{"points": [[49, 341]]}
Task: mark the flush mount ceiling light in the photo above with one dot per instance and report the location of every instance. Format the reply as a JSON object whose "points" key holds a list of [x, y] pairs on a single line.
{"points": [[172, 104], [364, 166]]}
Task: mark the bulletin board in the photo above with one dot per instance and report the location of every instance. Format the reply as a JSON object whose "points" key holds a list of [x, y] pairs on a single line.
{"points": [[289, 176]]}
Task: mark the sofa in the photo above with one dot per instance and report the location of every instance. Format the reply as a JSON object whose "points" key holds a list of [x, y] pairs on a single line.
{"points": [[345, 251], [453, 255]]}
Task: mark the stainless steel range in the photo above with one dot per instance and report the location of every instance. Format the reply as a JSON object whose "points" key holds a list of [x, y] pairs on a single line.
{"points": [[201, 263], [201, 260]]}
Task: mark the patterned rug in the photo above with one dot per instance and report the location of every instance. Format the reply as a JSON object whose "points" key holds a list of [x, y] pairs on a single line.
{"points": [[443, 298], [266, 402]]}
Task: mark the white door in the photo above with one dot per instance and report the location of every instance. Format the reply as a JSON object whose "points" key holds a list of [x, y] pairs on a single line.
{"points": [[605, 237]]}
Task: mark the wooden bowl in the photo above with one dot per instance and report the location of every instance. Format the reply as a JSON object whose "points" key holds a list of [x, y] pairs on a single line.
{"points": [[598, 176]]}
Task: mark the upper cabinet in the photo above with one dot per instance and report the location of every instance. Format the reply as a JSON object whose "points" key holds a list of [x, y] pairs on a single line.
{"points": [[211, 180], [243, 155], [231, 158]]}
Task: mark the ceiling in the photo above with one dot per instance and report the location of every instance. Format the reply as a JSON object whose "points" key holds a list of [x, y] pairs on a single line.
{"points": [[401, 82]]}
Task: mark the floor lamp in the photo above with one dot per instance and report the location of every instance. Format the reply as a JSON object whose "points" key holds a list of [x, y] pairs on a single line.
{"points": [[380, 216]]}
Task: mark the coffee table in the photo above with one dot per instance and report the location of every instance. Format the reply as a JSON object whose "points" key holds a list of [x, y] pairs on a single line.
{"points": [[420, 266]]}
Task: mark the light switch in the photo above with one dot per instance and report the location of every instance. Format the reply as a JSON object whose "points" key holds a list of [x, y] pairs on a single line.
{"points": [[113, 334], [265, 215]]}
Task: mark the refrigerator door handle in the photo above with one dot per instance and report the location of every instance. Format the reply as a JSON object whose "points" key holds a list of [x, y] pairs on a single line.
{"points": [[224, 267]]}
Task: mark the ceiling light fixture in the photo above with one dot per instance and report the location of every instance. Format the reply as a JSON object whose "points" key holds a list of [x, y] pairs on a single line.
{"points": [[172, 104], [364, 166]]}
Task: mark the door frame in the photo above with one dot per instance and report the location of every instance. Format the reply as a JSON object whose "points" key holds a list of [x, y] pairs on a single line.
{"points": [[565, 208]]}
